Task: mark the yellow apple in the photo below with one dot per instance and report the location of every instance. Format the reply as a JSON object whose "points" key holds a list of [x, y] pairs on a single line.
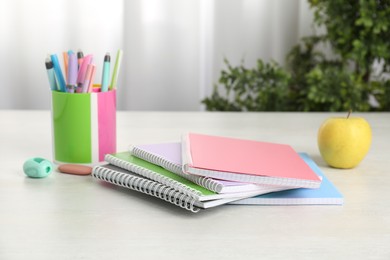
{"points": [[344, 142]]}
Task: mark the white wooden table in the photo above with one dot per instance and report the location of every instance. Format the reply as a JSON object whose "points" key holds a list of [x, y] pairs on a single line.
{"points": [[73, 217]]}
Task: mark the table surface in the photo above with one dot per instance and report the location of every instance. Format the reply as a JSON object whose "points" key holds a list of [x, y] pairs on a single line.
{"points": [[76, 217]]}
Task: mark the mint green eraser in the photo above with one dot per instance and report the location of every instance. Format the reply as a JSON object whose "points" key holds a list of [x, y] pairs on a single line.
{"points": [[37, 167]]}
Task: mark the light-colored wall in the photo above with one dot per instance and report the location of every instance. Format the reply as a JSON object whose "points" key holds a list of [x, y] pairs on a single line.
{"points": [[173, 49]]}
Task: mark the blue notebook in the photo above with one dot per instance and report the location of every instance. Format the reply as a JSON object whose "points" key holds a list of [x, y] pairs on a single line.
{"points": [[327, 194]]}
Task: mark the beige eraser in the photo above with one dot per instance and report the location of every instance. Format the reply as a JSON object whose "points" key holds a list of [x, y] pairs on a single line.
{"points": [[75, 169]]}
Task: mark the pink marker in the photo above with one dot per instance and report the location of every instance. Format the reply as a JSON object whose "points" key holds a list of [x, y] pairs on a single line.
{"points": [[87, 80], [82, 72], [90, 87]]}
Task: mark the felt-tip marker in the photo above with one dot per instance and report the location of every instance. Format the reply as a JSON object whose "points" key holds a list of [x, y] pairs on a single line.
{"points": [[72, 73], [58, 73], [106, 72], [87, 80], [82, 71], [117, 65], [90, 86], [80, 57], [50, 74], [66, 59]]}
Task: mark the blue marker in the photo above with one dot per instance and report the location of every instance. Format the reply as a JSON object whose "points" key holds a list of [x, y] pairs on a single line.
{"points": [[57, 70], [106, 73], [50, 74]]}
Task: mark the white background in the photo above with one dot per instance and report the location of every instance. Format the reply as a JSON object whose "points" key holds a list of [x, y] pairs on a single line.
{"points": [[173, 49]]}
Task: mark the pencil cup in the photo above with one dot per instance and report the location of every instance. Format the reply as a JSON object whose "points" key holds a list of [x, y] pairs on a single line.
{"points": [[83, 126]]}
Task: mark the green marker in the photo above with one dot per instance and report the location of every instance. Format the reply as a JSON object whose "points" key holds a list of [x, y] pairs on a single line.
{"points": [[115, 74]]}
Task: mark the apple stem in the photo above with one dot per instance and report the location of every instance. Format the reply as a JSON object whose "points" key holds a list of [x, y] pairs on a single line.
{"points": [[349, 113]]}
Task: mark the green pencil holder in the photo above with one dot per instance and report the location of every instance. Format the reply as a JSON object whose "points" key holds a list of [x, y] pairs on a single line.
{"points": [[83, 126]]}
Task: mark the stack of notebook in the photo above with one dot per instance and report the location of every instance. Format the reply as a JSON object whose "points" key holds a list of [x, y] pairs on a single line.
{"points": [[205, 171]]}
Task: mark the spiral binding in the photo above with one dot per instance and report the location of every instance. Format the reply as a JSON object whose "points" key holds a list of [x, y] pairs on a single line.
{"points": [[153, 176], [275, 181], [145, 186], [158, 160], [206, 182]]}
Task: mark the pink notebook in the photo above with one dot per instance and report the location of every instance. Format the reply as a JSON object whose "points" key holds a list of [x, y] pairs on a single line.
{"points": [[246, 161]]}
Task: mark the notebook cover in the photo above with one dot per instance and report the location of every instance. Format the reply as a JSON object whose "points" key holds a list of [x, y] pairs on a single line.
{"points": [[248, 157], [326, 194], [169, 151]]}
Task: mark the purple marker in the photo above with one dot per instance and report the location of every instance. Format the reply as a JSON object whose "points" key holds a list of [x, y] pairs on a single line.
{"points": [[72, 73]]}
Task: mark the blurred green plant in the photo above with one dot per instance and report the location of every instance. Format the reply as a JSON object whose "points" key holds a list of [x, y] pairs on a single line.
{"points": [[358, 33], [263, 88]]}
